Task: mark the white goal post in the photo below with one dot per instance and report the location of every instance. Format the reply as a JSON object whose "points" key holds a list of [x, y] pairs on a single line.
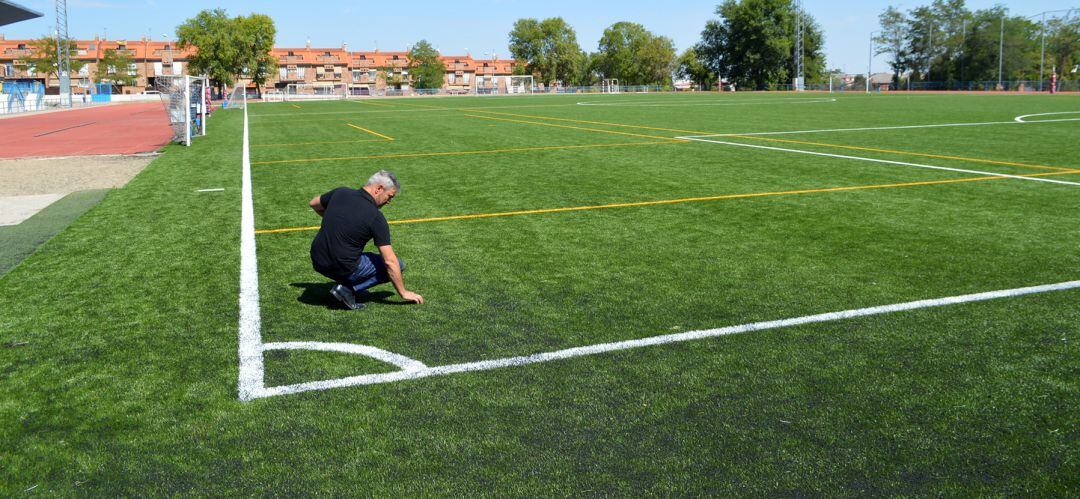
{"points": [[610, 86], [314, 91], [520, 84], [187, 103]]}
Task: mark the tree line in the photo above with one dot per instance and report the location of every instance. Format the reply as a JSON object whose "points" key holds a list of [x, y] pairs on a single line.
{"points": [[946, 42], [751, 44]]}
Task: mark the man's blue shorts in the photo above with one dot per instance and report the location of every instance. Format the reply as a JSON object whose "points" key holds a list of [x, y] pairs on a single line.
{"points": [[370, 271]]}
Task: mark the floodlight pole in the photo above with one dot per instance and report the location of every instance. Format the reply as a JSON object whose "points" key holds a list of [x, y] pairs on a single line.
{"points": [[1001, 50], [1042, 56], [870, 60]]}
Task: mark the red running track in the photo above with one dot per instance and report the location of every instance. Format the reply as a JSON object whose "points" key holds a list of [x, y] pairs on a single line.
{"points": [[112, 129]]}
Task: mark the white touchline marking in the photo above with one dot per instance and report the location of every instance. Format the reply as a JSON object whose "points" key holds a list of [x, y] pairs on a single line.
{"points": [[705, 103], [425, 372], [1020, 119], [250, 383], [874, 160], [897, 127], [218, 189]]}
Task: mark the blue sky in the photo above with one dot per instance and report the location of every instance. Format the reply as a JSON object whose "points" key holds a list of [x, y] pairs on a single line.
{"points": [[477, 26]]}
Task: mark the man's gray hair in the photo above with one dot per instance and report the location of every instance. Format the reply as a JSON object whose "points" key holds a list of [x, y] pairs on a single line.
{"points": [[386, 179]]}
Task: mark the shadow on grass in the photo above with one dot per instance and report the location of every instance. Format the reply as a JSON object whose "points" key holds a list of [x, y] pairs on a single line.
{"points": [[318, 293]]}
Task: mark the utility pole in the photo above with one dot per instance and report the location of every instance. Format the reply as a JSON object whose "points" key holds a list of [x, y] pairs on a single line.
{"points": [[63, 55], [870, 60], [1001, 50], [798, 47]]}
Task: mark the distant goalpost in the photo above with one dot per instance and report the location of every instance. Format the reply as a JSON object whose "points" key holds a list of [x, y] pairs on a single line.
{"points": [[314, 91], [521, 84], [610, 86], [187, 103]]}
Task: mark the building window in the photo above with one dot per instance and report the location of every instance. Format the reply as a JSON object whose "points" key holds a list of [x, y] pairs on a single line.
{"points": [[291, 54], [22, 46], [371, 74], [93, 46]]}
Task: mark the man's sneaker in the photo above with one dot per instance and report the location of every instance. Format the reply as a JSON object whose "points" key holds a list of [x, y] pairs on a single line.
{"points": [[345, 295]]}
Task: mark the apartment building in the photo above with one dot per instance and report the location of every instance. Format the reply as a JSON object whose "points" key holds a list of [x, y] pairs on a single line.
{"points": [[370, 72], [361, 73], [149, 60]]}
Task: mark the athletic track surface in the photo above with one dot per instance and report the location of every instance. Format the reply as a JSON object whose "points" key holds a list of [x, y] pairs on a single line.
{"points": [[113, 129]]}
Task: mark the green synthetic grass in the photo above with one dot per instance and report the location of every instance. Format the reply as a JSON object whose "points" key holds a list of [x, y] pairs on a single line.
{"points": [[120, 334], [18, 241]]}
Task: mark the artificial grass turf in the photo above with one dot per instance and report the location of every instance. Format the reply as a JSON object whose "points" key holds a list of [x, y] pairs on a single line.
{"points": [[18, 241], [132, 390]]}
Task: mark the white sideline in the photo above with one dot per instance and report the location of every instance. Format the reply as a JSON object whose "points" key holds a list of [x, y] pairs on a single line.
{"points": [[485, 365], [250, 383], [874, 160], [697, 104]]}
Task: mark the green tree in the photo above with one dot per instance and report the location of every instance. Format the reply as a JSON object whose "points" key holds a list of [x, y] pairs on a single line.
{"points": [[549, 48], [256, 36], [585, 72], [1062, 45], [217, 44], [689, 67], [635, 56], [753, 43], [425, 66], [115, 67], [44, 59], [892, 39]]}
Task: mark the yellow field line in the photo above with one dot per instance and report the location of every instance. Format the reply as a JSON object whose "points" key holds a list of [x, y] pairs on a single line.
{"points": [[377, 134], [294, 105], [463, 153], [893, 151], [674, 201], [594, 122], [285, 144], [575, 128], [365, 101]]}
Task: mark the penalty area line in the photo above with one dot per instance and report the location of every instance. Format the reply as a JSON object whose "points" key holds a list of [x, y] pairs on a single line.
{"points": [[416, 371], [885, 161]]}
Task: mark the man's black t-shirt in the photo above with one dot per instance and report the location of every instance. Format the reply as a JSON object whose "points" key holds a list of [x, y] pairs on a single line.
{"points": [[351, 220]]}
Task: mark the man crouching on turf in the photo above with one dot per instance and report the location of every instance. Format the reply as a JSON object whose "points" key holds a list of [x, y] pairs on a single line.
{"points": [[351, 218]]}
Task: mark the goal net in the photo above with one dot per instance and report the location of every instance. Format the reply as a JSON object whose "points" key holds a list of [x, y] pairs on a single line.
{"points": [[187, 103], [522, 84], [314, 91], [273, 96], [236, 98]]}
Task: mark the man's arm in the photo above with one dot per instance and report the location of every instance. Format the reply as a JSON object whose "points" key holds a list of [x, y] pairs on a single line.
{"points": [[394, 270], [316, 204]]}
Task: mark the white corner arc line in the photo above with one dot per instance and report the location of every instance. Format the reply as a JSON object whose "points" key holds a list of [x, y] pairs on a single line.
{"points": [[370, 351], [1020, 119], [886, 161], [485, 365], [250, 383]]}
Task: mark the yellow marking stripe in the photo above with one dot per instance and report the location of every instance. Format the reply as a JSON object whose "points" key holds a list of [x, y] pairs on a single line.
{"points": [[593, 122], [893, 151], [365, 101], [377, 134], [573, 127], [462, 153], [294, 105], [673, 201], [285, 144]]}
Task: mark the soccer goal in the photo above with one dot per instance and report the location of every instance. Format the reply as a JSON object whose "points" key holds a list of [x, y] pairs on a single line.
{"points": [[236, 98], [314, 91], [187, 103], [610, 86], [521, 84], [273, 96]]}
